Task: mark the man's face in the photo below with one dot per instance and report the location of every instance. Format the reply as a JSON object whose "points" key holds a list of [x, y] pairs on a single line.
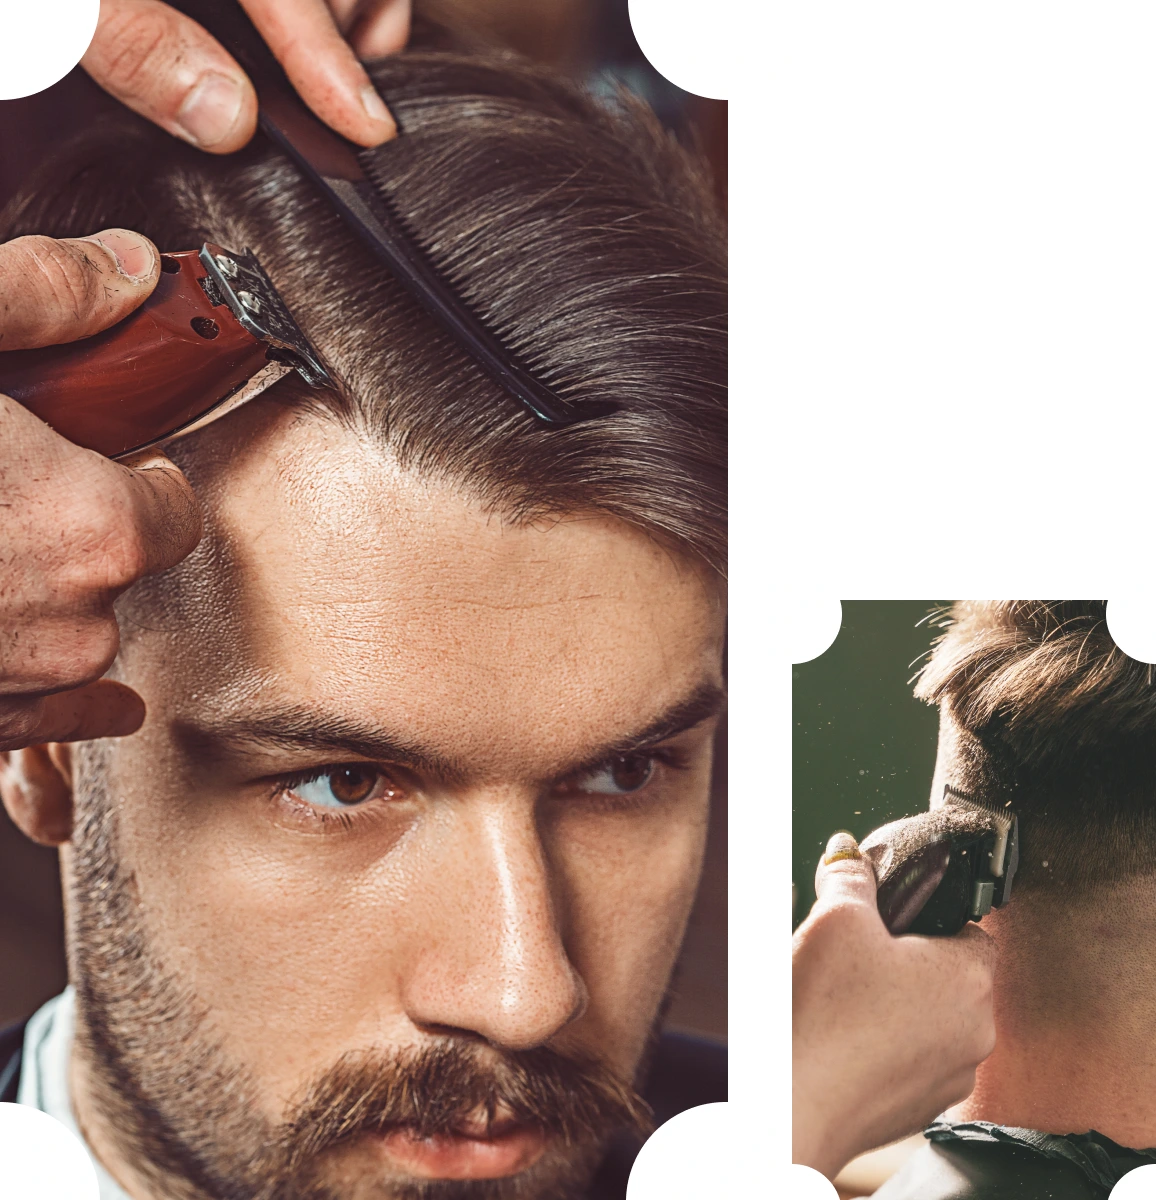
{"points": [[412, 778]]}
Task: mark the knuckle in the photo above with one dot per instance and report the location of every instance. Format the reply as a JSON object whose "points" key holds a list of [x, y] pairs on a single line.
{"points": [[116, 560], [58, 282], [72, 653], [106, 552], [18, 722], [132, 47]]}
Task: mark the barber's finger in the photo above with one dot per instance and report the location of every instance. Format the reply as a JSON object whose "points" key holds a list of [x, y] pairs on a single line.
{"points": [[323, 68], [167, 68], [57, 290], [167, 517], [378, 27], [101, 709], [843, 872]]}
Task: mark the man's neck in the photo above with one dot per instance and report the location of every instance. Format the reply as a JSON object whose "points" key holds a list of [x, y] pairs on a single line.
{"points": [[1075, 1000]]}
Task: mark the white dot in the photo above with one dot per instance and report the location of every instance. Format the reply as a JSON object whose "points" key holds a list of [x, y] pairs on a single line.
{"points": [[1131, 624], [42, 42], [41, 1159], [1138, 1184]]}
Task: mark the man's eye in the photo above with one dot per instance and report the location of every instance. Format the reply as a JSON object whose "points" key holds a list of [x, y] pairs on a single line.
{"points": [[344, 786], [625, 773]]}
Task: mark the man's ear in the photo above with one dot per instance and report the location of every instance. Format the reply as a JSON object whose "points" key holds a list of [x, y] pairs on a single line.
{"points": [[36, 787]]}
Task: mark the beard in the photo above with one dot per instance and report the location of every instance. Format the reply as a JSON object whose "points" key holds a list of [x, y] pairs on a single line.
{"points": [[185, 1115]]}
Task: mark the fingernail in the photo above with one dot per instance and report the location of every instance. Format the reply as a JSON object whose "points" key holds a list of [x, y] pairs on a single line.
{"points": [[841, 845], [374, 105], [134, 255], [211, 109]]}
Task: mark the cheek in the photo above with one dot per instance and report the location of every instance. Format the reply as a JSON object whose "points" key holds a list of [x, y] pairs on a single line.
{"points": [[629, 883], [290, 944]]}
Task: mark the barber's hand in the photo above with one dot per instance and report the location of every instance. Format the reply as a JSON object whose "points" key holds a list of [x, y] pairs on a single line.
{"points": [[888, 1031], [75, 528], [167, 68]]}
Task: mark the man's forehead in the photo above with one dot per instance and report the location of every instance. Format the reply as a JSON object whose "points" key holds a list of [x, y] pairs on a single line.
{"points": [[308, 493], [348, 586]]}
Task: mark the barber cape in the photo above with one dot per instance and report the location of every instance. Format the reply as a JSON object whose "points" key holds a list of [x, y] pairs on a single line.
{"points": [[999, 1162], [687, 1071]]}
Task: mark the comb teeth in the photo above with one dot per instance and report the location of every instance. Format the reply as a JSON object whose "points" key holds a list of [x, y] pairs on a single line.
{"points": [[416, 272]]}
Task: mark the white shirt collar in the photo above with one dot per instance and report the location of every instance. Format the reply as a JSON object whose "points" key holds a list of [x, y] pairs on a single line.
{"points": [[44, 1075]]}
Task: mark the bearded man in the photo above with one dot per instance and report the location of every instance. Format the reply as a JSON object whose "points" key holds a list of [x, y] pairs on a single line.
{"points": [[384, 898]]}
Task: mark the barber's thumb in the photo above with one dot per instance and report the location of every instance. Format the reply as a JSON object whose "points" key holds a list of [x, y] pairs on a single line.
{"points": [[166, 512], [71, 288], [844, 871]]}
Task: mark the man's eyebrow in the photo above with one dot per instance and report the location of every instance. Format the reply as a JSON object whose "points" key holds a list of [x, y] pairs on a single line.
{"points": [[298, 729]]}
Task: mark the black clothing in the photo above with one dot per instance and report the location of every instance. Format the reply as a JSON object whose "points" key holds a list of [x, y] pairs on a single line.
{"points": [[974, 1160], [11, 1054], [687, 1071]]}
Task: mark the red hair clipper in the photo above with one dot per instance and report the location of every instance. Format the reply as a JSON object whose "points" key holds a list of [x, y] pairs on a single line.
{"points": [[213, 334]]}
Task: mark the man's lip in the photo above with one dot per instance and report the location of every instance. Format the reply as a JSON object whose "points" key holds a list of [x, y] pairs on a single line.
{"points": [[504, 1151]]}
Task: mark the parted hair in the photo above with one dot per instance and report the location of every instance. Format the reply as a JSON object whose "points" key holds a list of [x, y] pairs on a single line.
{"points": [[1063, 722], [581, 231]]}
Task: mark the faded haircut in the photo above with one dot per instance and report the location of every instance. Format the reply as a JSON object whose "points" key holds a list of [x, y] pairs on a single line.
{"points": [[581, 231], [1044, 711]]}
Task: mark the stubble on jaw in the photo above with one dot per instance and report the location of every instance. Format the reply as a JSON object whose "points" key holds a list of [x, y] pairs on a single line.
{"points": [[186, 1119]]}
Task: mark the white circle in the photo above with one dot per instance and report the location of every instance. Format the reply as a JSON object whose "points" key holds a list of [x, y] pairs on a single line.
{"points": [[41, 1159], [1139, 1184], [1131, 615], [731, 49], [695, 1155], [42, 41], [790, 611]]}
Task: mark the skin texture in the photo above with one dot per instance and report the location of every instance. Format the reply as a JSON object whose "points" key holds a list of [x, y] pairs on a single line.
{"points": [[1074, 1013], [887, 1031], [497, 895], [76, 529], [79, 530], [167, 68]]}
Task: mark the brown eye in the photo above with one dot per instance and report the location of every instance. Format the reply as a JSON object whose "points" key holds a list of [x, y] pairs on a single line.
{"points": [[347, 785], [353, 784], [631, 772], [621, 774]]}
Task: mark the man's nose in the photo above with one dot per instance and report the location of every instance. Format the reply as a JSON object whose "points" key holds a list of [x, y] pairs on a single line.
{"points": [[492, 961]]}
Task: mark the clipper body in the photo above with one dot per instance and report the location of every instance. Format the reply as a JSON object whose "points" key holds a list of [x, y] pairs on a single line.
{"points": [[213, 334], [940, 869]]}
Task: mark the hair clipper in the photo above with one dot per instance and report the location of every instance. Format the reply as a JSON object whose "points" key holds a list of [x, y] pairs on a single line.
{"points": [[213, 334], [940, 869]]}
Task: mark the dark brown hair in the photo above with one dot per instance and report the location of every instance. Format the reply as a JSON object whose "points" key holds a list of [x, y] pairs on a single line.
{"points": [[580, 231], [1053, 714]]}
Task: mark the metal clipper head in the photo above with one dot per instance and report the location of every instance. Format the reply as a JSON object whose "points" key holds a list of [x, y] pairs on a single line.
{"points": [[940, 869]]}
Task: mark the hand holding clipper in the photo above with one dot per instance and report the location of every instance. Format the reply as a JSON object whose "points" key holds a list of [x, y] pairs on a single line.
{"points": [[887, 1030], [213, 334], [940, 869]]}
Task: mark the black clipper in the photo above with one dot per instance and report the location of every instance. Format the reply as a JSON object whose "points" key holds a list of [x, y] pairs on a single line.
{"points": [[940, 869]]}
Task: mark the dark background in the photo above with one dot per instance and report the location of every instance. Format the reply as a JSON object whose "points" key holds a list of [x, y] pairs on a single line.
{"points": [[863, 749], [593, 39]]}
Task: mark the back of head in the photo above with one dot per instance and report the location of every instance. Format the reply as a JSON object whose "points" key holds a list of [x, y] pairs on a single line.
{"points": [[1041, 711], [581, 232]]}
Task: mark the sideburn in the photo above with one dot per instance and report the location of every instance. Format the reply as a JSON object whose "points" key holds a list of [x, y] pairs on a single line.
{"points": [[164, 1092]]}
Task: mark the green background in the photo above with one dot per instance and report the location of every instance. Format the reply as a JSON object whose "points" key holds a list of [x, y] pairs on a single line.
{"points": [[863, 748]]}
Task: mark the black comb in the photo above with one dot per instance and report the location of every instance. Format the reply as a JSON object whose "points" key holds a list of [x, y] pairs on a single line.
{"points": [[332, 163]]}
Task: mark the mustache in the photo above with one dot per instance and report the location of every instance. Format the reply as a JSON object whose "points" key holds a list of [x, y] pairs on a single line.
{"points": [[435, 1089]]}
